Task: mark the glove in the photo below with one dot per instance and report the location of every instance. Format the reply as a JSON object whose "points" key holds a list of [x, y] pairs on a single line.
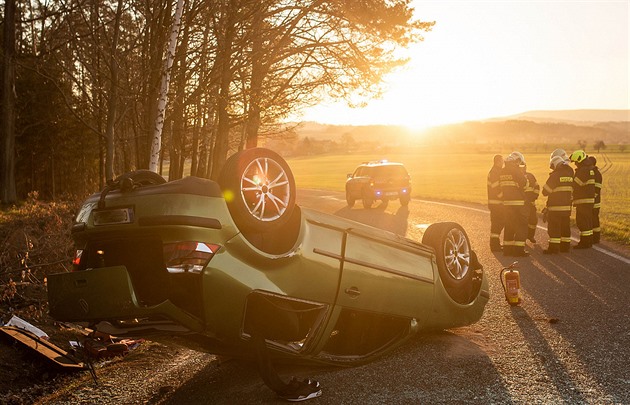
{"points": [[544, 215]]}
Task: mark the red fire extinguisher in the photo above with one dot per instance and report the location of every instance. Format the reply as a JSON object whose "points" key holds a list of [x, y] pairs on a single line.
{"points": [[511, 281]]}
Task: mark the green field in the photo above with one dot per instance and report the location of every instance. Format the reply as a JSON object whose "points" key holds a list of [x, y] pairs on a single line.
{"points": [[461, 176]]}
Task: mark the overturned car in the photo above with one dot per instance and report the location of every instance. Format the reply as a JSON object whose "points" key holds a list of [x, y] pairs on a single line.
{"points": [[237, 268]]}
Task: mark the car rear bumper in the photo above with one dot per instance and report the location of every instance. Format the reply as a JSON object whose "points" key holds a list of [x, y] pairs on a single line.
{"points": [[106, 294]]}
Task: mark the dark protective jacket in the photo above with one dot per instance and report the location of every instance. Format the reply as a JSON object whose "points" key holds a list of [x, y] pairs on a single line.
{"points": [[584, 183], [532, 188], [513, 182], [598, 182], [494, 187], [559, 189]]}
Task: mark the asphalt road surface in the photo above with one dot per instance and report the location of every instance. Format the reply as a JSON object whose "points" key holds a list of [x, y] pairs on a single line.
{"points": [[569, 341]]}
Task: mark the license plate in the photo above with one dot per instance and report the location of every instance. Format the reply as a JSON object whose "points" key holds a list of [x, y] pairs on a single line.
{"points": [[391, 193], [113, 216]]}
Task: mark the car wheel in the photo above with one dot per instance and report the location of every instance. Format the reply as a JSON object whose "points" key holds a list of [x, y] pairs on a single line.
{"points": [[259, 189], [404, 200], [349, 200], [453, 253], [368, 200]]}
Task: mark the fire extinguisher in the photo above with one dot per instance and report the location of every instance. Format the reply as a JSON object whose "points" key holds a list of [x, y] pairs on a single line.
{"points": [[511, 281]]}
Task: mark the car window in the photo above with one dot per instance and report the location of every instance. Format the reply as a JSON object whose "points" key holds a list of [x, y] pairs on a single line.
{"points": [[390, 171], [361, 171]]}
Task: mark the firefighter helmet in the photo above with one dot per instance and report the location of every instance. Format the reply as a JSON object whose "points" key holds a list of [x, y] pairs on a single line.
{"points": [[559, 152], [578, 156], [516, 157], [555, 161]]}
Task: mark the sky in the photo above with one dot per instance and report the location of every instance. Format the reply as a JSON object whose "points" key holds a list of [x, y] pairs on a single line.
{"points": [[487, 59]]}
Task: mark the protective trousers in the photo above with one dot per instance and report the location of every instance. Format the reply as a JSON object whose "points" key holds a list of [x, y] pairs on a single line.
{"points": [[516, 217], [597, 231], [532, 223], [497, 223], [559, 229], [584, 221]]}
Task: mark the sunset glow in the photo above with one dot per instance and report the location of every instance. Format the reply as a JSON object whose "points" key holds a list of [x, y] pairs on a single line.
{"points": [[487, 59]]}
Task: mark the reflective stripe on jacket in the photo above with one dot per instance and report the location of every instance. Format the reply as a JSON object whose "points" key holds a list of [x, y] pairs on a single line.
{"points": [[494, 186], [584, 184], [559, 189], [513, 183], [532, 188]]}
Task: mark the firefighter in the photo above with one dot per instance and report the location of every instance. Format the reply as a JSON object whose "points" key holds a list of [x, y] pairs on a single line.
{"points": [[495, 205], [513, 182], [532, 191], [559, 192], [559, 152], [583, 197], [598, 199]]}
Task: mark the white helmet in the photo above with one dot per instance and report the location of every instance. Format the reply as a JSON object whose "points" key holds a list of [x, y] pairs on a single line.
{"points": [[555, 161], [559, 152], [516, 157]]}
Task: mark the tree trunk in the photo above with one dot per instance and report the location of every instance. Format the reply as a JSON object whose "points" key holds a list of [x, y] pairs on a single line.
{"points": [[221, 142], [156, 144], [258, 72], [112, 102], [8, 194]]}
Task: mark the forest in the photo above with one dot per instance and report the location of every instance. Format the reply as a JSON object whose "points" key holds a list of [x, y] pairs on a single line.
{"points": [[88, 86]]}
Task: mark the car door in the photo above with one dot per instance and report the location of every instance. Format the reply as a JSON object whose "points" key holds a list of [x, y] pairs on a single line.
{"points": [[384, 273]]}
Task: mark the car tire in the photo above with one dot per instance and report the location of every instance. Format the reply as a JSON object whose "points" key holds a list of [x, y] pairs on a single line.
{"points": [[259, 189], [455, 258], [367, 200], [349, 200]]}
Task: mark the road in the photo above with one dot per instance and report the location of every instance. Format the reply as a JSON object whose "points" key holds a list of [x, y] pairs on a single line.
{"points": [[569, 341]]}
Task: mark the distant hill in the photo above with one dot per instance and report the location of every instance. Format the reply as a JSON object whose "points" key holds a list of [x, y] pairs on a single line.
{"points": [[563, 126], [319, 132], [571, 116]]}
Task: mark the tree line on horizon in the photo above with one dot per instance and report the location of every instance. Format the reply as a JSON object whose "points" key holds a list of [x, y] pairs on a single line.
{"points": [[81, 80], [313, 138]]}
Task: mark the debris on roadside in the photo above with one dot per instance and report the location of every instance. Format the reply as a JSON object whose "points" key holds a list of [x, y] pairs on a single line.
{"points": [[101, 346], [22, 324], [43, 347]]}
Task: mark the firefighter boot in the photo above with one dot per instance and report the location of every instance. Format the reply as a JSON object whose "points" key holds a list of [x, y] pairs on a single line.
{"points": [[508, 250], [586, 241], [553, 248], [495, 245], [565, 247], [519, 251], [596, 237]]}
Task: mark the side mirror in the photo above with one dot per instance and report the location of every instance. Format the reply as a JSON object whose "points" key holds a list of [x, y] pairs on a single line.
{"points": [[349, 175]]}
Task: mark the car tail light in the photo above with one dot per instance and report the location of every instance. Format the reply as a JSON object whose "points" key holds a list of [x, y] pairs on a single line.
{"points": [[188, 257], [77, 259]]}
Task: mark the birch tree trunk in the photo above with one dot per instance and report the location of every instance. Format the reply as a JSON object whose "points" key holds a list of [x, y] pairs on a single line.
{"points": [[156, 144]]}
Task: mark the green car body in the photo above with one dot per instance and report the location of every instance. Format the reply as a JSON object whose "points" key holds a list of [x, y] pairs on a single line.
{"points": [[170, 262]]}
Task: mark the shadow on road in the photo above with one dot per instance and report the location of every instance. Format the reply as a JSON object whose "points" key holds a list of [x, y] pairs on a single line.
{"points": [[586, 293], [555, 370], [378, 217]]}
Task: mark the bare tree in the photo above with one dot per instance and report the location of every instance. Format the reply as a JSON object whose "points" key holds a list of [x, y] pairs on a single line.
{"points": [[598, 145], [7, 157], [156, 144]]}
